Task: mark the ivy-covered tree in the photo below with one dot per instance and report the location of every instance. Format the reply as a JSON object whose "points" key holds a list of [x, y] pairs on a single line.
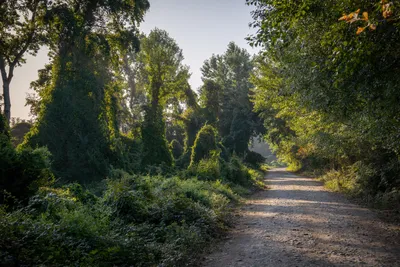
{"points": [[161, 61], [204, 144], [77, 117]]}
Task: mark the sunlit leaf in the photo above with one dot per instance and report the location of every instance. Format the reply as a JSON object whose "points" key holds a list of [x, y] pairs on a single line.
{"points": [[360, 30], [365, 16]]}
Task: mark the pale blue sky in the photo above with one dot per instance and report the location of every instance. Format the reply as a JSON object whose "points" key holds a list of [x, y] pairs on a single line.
{"points": [[200, 27]]}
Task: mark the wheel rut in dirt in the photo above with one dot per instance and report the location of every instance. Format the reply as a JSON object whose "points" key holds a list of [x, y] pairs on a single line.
{"points": [[297, 222]]}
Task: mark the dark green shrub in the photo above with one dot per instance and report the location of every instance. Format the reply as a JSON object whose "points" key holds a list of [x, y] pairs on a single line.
{"points": [[77, 191], [184, 161], [236, 172], [22, 171], [155, 146], [34, 172], [75, 124], [193, 121], [208, 169], [176, 149], [128, 154], [205, 143], [19, 131], [253, 158], [4, 129], [225, 155]]}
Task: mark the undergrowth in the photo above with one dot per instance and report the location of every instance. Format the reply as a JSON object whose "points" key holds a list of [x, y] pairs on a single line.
{"points": [[355, 181], [134, 221]]}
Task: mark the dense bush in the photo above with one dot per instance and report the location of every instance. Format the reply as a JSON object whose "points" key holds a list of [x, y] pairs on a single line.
{"points": [[73, 125], [253, 158], [140, 221], [176, 149], [367, 182], [155, 146], [18, 132], [203, 145], [208, 168], [22, 171], [127, 153]]}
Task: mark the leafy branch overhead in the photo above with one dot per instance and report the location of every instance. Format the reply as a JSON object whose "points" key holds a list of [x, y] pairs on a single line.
{"points": [[387, 9]]}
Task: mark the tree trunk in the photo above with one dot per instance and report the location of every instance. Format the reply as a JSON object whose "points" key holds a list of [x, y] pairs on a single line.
{"points": [[7, 102], [6, 87], [155, 94]]}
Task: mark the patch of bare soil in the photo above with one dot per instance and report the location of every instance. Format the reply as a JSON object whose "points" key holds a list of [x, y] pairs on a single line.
{"points": [[297, 222]]}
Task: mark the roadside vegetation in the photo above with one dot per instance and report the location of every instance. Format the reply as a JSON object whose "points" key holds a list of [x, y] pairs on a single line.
{"points": [[327, 88], [124, 165]]}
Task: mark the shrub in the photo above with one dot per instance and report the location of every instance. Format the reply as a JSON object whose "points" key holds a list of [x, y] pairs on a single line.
{"points": [[236, 172], [207, 168], [184, 161], [4, 129], [205, 143], [155, 146], [127, 153], [22, 171], [176, 149], [253, 158], [140, 221], [19, 131]]}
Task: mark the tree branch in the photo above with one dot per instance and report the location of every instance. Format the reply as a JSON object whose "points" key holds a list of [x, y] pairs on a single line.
{"points": [[31, 34]]}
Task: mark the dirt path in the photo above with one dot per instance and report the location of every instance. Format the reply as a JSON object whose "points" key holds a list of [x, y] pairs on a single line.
{"points": [[298, 223]]}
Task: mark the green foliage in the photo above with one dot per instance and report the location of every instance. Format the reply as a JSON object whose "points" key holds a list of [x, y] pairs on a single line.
{"points": [[208, 168], [184, 161], [18, 132], [155, 146], [326, 95], [253, 158], [22, 171], [210, 99], [128, 153], [74, 107], [204, 144], [160, 61], [193, 121], [176, 149], [143, 221], [4, 128], [237, 173], [225, 98], [78, 96]]}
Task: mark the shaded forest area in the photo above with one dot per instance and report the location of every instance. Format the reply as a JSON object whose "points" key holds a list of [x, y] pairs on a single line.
{"points": [[125, 164]]}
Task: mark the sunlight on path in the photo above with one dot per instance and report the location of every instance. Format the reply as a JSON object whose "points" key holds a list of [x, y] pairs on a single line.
{"points": [[297, 222]]}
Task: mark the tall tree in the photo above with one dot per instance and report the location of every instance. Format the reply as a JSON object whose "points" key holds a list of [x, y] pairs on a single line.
{"points": [[87, 39], [161, 60], [226, 92], [21, 29], [334, 85]]}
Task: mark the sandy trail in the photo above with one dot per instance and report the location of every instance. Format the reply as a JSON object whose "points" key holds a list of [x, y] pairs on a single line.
{"points": [[299, 223]]}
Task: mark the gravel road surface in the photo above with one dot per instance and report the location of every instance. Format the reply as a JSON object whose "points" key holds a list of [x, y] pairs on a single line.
{"points": [[297, 222]]}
